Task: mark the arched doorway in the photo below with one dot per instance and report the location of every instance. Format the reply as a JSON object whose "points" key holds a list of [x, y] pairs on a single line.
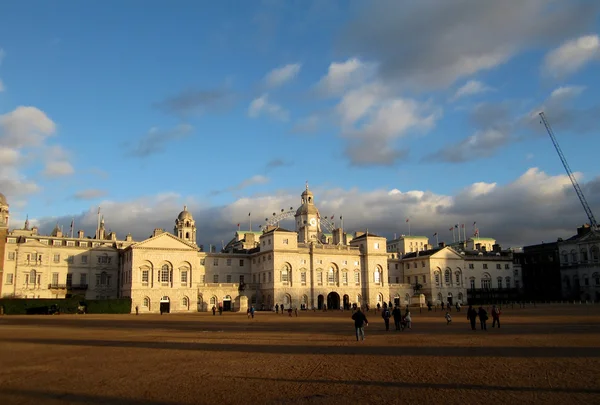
{"points": [[333, 300], [227, 303], [320, 302], [450, 302], [165, 305], [346, 302]]}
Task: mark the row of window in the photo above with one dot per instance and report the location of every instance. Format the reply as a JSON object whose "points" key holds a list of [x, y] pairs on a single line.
{"points": [[572, 256], [33, 278], [37, 258], [60, 242], [586, 280]]}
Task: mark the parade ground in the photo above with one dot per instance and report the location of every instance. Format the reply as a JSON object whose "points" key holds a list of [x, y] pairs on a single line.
{"points": [[544, 355]]}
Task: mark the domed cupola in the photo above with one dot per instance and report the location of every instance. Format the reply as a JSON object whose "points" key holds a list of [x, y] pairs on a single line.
{"points": [[307, 217], [185, 226], [4, 213]]}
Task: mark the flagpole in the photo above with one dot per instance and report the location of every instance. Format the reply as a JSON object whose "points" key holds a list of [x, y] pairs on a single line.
{"points": [[250, 219], [465, 232], [437, 242], [98, 225], [453, 235]]}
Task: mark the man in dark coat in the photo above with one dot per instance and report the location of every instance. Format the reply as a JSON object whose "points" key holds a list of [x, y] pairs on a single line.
{"points": [[360, 321], [472, 316], [397, 314]]}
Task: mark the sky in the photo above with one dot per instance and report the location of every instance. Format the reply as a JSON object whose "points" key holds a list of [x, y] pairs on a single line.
{"points": [[390, 110]]}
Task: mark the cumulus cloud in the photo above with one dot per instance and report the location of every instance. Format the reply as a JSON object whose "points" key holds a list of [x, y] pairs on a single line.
{"points": [[156, 140], [535, 206], [480, 145], [279, 76], [344, 75], [58, 169], [572, 56], [432, 43], [251, 181], [89, 194], [470, 88], [25, 127], [262, 106]]}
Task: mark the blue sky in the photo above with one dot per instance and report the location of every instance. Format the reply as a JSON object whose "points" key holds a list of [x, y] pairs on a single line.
{"points": [[231, 106]]}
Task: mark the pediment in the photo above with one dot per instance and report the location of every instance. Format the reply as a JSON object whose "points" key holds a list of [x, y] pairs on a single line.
{"points": [[447, 253], [35, 243], [164, 241]]}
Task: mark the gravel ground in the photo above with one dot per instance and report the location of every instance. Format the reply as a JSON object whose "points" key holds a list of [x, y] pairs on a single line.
{"points": [[544, 355]]}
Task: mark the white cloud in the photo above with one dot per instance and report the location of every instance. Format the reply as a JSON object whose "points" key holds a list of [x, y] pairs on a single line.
{"points": [[572, 56], [24, 127], [282, 75], [58, 169], [470, 88], [261, 105], [534, 207], [306, 125], [566, 92], [8, 156], [481, 144], [89, 194], [343, 75]]}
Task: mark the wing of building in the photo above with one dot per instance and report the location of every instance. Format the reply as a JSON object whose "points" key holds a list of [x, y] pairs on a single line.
{"points": [[316, 265]]}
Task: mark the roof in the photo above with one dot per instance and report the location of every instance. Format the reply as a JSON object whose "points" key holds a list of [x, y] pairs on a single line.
{"points": [[367, 234], [475, 238], [278, 230], [242, 233], [422, 253]]}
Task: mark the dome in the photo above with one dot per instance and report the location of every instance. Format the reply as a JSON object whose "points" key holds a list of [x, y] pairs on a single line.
{"points": [[3, 199], [307, 209], [185, 214]]}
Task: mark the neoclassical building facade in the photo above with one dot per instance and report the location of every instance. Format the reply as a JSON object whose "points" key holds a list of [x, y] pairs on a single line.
{"points": [[305, 268]]}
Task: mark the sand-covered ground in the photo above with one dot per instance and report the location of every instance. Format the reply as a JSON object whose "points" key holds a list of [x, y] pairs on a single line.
{"points": [[543, 355]]}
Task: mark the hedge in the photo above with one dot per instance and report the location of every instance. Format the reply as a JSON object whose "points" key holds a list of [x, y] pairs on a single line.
{"points": [[28, 306]]}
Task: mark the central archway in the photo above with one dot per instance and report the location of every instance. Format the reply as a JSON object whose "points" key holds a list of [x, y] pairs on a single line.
{"points": [[346, 302], [333, 300]]}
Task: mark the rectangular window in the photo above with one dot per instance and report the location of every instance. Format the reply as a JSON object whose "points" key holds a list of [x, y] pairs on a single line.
{"points": [[145, 277], [56, 258], [397, 280], [485, 265], [376, 245], [70, 259], [184, 277], [319, 278], [471, 266], [57, 242], [54, 278], [356, 277], [83, 244], [331, 277], [229, 278], [377, 277], [97, 279], [229, 262], [486, 283], [345, 278], [70, 243], [83, 279], [499, 283], [12, 240], [69, 279], [216, 278], [241, 262], [11, 255], [9, 278], [264, 277], [472, 284], [506, 266], [269, 277], [164, 276], [241, 279], [84, 259], [457, 278], [345, 262], [203, 278], [498, 266], [284, 276], [422, 264], [254, 278], [303, 278], [215, 262], [356, 263], [396, 266], [408, 280], [424, 278]]}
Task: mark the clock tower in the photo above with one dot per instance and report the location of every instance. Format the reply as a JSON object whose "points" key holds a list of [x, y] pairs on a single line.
{"points": [[307, 217]]}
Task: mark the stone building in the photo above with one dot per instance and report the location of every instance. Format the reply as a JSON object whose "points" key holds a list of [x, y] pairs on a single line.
{"points": [[580, 265], [316, 265]]}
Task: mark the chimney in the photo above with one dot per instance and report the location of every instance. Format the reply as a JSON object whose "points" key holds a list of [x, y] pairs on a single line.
{"points": [[496, 248], [478, 246], [483, 248], [128, 238], [157, 231], [442, 244], [584, 229], [338, 236], [80, 234]]}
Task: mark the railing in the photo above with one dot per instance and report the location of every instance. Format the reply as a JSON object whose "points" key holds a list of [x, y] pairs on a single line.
{"points": [[57, 286]]}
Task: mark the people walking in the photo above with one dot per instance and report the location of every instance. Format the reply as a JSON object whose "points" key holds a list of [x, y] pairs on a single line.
{"points": [[483, 317], [276, 308], [252, 311], [472, 316], [408, 319], [360, 321], [496, 316], [385, 314], [397, 314], [214, 309], [448, 318]]}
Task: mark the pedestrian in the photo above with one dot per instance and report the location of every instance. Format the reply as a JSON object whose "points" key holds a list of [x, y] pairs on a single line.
{"points": [[449, 307], [296, 311], [281, 309], [483, 317], [290, 311], [252, 311], [378, 307], [385, 314], [472, 316], [496, 316], [408, 319], [360, 321], [457, 307], [276, 308], [448, 318], [214, 309], [248, 312], [220, 310], [137, 311], [397, 314], [443, 306]]}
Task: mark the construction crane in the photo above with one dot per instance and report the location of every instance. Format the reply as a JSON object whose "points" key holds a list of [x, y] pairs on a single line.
{"points": [[582, 199]]}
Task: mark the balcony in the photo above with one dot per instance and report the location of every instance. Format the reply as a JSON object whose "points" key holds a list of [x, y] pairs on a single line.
{"points": [[57, 286]]}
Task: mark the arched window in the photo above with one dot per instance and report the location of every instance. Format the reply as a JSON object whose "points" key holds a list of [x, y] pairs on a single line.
{"points": [[187, 235], [103, 278], [165, 273], [146, 302], [437, 278], [573, 256], [285, 274], [213, 300], [379, 298], [565, 257], [287, 300], [457, 278], [472, 283], [331, 276], [583, 254], [32, 277], [596, 278], [185, 303], [447, 276], [499, 282], [507, 279], [377, 276], [595, 253], [486, 281], [440, 297]]}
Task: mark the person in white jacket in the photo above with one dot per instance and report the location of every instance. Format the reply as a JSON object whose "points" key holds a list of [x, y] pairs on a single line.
{"points": [[408, 319]]}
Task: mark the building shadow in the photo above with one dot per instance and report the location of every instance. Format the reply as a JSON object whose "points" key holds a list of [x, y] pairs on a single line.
{"points": [[15, 395]]}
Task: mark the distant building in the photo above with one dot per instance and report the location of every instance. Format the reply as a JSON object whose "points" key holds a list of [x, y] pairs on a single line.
{"points": [[541, 272], [580, 265]]}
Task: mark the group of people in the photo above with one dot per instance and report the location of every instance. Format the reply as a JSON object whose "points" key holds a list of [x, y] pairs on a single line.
{"points": [[473, 314]]}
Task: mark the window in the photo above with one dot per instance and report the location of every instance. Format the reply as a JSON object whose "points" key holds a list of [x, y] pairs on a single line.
{"points": [[356, 263], [500, 282], [264, 277], [269, 277], [437, 278], [408, 280], [345, 278], [485, 265], [573, 256], [303, 278], [145, 276], [596, 277], [54, 278], [83, 279], [70, 259], [486, 282], [424, 278], [184, 276], [472, 283], [229, 262], [285, 241], [203, 278], [69, 279], [498, 266], [516, 284], [216, 278], [507, 266], [185, 302], [471, 266], [319, 278], [565, 257], [285, 275], [508, 282], [345, 262], [595, 253], [70, 243], [241, 262], [215, 262], [164, 274], [9, 278], [457, 278], [83, 244], [83, 259], [331, 276], [56, 258], [146, 302], [356, 277], [447, 276], [56, 242], [422, 264], [104, 259], [202, 262], [241, 278], [11, 255], [376, 245], [228, 278]]}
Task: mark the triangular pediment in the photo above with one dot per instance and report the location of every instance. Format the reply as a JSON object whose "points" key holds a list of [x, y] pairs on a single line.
{"points": [[35, 243], [591, 236], [447, 253], [164, 241]]}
